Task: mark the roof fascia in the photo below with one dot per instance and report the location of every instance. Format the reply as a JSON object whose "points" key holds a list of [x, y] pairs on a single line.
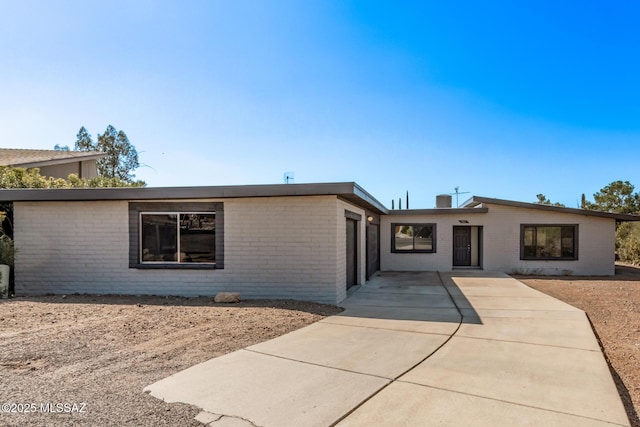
{"points": [[439, 211], [478, 201], [347, 190]]}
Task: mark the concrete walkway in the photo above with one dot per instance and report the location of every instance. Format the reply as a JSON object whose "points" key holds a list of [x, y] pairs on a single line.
{"points": [[416, 349]]}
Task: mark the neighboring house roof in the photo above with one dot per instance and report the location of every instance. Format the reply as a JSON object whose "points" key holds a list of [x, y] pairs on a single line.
{"points": [[27, 158], [476, 202], [347, 190]]}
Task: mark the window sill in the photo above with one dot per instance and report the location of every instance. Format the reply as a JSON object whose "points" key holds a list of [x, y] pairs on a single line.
{"points": [[170, 266], [412, 252]]}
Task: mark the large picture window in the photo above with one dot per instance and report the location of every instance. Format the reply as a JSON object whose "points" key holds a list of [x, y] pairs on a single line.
{"points": [[549, 242], [411, 238], [177, 237]]}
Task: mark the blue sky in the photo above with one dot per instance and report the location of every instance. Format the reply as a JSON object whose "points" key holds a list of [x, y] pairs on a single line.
{"points": [[503, 99]]}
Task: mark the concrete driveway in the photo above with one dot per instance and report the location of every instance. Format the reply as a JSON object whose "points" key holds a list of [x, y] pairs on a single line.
{"points": [[416, 349]]}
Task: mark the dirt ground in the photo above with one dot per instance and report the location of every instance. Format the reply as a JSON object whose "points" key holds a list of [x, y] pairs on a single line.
{"points": [[613, 306], [84, 360]]}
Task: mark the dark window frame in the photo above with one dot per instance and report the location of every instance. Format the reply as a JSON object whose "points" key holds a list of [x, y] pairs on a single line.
{"points": [[525, 257], [413, 224], [138, 208]]}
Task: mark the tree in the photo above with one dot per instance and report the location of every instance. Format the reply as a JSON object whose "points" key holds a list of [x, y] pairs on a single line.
{"points": [[122, 157], [59, 147], [628, 242], [84, 141], [31, 178], [617, 197], [542, 200]]}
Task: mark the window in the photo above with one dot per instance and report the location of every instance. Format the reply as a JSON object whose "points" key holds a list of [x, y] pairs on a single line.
{"points": [[412, 238], [176, 235], [549, 242]]}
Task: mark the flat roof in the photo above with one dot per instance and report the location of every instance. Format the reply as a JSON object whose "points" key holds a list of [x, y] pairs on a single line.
{"points": [[476, 201], [349, 191]]}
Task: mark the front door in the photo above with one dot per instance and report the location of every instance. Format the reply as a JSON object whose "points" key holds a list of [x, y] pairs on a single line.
{"points": [[461, 246], [373, 252], [352, 263]]}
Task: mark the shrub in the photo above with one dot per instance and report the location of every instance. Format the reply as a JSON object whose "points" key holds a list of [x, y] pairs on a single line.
{"points": [[7, 251], [628, 243]]}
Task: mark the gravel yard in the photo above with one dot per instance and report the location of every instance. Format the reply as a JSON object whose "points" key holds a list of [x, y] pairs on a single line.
{"points": [[99, 352], [613, 305]]}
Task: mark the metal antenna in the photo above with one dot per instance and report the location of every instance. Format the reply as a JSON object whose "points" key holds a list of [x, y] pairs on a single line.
{"points": [[288, 177], [457, 193]]}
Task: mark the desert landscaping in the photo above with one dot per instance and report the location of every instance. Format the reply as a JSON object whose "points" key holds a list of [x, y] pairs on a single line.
{"points": [[96, 353], [99, 352]]}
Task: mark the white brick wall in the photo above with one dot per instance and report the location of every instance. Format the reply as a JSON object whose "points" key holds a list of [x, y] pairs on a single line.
{"points": [[501, 242], [280, 247]]}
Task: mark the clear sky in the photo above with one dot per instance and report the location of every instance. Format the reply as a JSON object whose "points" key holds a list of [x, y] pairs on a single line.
{"points": [[503, 99]]}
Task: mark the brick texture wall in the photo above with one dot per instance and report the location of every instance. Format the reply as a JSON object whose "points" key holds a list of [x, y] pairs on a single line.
{"points": [[280, 247]]}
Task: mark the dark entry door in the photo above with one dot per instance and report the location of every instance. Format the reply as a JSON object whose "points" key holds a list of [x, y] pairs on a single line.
{"points": [[373, 254], [351, 252], [461, 246]]}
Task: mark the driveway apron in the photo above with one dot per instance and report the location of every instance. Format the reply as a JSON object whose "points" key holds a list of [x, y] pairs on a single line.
{"points": [[416, 349]]}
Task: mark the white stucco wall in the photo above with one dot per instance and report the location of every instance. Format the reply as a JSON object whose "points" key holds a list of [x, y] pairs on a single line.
{"points": [[501, 242], [596, 242], [441, 260], [279, 247]]}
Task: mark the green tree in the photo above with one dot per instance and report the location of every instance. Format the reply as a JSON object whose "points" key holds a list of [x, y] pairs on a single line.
{"points": [[617, 197], [628, 242], [31, 178], [59, 147], [122, 157], [542, 200], [84, 141]]}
